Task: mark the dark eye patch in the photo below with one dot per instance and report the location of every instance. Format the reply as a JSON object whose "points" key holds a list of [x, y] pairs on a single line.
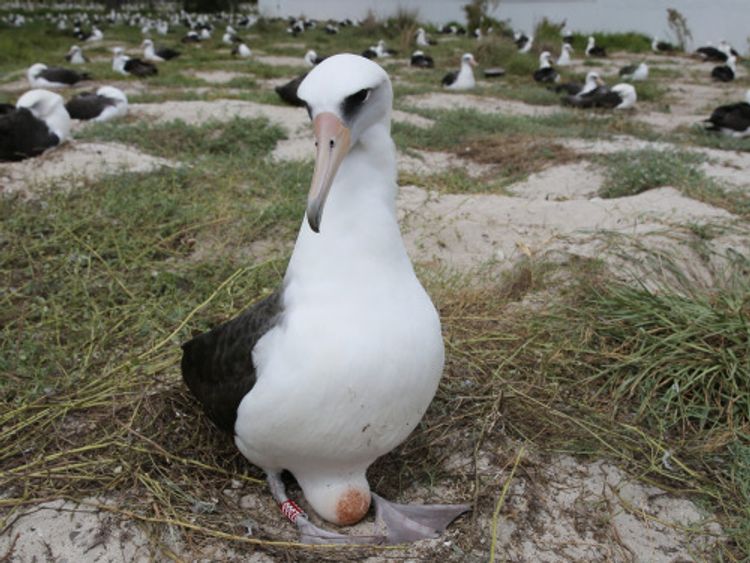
{"points": [[352, 103]]}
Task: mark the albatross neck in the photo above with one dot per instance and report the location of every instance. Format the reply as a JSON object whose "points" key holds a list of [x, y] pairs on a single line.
{"points": [[359, 231]]}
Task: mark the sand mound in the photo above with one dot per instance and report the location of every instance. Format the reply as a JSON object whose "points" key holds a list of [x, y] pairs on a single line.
{"points": [[463, 231], [571, 511], [73, 163], [480, 103], [197, 112]]}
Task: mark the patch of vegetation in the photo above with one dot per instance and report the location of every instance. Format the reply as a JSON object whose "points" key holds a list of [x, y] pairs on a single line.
{"points": [[631, 42], [633, 172], [237, 138], [454, 127], [678, 24], [683, 361], [502, 51], [548, 35]]}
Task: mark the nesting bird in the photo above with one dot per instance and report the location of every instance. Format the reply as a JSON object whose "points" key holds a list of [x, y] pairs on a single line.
{"points": [[41, 76], [636, 73], [545, 72], [564, 58], [126, 65], [422, 39], [151, 54], [727, 72], [592, 50], [420, 60], [658, 46], [242, 51], [312, 58], [105, 104], [732, 120], [463, 78], [38, 122], [75, 56]]}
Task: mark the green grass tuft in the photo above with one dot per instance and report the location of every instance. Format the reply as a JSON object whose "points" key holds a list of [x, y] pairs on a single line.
{"points": [[683, 361], [632, 172]]}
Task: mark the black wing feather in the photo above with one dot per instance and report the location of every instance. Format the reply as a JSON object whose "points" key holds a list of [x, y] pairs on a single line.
{"points": [[22, 135], [288, 92], [217, 366], [733, 116], [63, 75], [88, 105], [167, 54], [450, 78]]}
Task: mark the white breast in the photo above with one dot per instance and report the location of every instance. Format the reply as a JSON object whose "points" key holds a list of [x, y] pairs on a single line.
{"points": [[352, 367]]}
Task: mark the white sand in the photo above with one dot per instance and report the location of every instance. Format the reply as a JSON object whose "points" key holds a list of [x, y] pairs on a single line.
{"points": [[72, 163]]}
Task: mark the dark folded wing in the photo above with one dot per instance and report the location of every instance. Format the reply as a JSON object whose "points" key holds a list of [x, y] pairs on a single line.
{"points": [[217, 366]]}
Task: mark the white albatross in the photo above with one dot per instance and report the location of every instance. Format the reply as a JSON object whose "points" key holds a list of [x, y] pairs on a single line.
{"points": [[339, 365], [463, 78]]}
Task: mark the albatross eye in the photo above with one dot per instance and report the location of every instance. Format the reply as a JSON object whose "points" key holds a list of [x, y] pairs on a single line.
{"points": [[352, 103]]}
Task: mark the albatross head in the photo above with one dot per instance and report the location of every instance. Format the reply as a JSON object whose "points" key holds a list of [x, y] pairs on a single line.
{"points": [[347, 97], [35, 70], [468, 59]]}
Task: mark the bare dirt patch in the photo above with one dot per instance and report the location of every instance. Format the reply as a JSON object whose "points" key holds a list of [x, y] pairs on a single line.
{"points": [[578, 180], [279, 60], [73, 163], [485, 104], [197, 112], [565, 510], [463, 231], [217, 76]]}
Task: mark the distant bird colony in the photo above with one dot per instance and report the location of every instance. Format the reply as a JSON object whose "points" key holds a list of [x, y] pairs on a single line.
{"points": [[108, 102]]}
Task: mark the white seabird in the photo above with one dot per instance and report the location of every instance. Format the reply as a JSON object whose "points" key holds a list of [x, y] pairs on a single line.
{"points": [[592, 50], [242, 51], [338, 366], [462, 79], [38, 122], [545, 72], [732, 120], [312, 58], [41, 76], [75, 56], [105, 104], [636, 73], [151, 54], [564, 58]]}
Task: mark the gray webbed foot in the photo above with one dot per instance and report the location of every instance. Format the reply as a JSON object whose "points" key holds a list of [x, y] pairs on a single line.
{"points": [[407, 523], [312, 534]]}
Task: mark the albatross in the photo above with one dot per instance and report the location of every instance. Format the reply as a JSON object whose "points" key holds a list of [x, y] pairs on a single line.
{"points": [[38, 122], [338, 365], [462, 79], [105, 104], [732, 120], [41, 76]]}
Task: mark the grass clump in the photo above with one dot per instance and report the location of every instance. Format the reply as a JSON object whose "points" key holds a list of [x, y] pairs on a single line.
{"points": [[502, 51], [633, 172], [683, 361], [237, 137]]}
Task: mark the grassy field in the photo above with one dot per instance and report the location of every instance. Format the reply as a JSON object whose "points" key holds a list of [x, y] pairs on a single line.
{"points": [[101, 283]]}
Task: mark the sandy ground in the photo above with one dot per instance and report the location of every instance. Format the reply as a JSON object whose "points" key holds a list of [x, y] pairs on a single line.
{"points": [[451, 100], [74, 163], [556, 510]]}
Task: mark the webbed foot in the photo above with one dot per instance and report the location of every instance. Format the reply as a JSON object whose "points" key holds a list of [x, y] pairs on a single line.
{"points": [[407, 523]]}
